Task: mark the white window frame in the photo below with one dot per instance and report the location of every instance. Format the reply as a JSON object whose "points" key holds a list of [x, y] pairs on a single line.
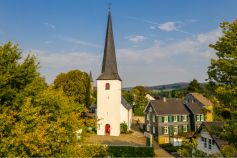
{"points": [[166, 130], [198, 117], [201, 118], [175, 118], [184, 118], [176, 130], [185, 127], [154, 130], [153, 118], [150, 109], [148, 128], [166, 119]]}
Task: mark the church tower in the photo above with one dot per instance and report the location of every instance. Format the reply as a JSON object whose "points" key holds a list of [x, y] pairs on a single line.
{"points": [[109, 89]]}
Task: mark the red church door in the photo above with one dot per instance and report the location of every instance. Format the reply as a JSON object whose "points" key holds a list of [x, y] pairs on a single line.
{"points": [[107, 129]]}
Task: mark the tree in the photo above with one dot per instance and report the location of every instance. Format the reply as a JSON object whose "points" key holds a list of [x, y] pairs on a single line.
{"points": [[223, 70], [76, 85], [15, 74], [35, 119], [194, 86], [223, 79], [140, 101]]}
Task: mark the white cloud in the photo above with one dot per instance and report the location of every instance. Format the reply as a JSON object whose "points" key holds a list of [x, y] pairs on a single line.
{"points": [[152, 27], [161, 63], [136, 39], [50, 25], [80, 42], [168, 26]]}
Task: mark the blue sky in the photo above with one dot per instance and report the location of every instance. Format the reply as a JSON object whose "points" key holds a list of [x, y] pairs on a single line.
{"points": [[157, 41]]}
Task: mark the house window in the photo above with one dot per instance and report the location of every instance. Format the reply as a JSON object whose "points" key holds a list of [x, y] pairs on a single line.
{"points": [[107, 86], [175, 118], [175, 130], [205, 142], [147, 128], [166, 130], [185, 129], [202, 139], [167, 140], [201, 117], [184, 118], [197, 118], [166, 119], [150, 109], [147, 117], [154, 130], [154, 118]]}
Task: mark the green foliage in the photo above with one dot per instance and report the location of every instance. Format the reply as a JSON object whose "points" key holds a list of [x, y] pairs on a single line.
{"points": [[222, 71], [123, 127], [223, 80], [189, 149], [14, 75], [86, 151], [194, 86], [170, 148], [76, 85], [35, 120], [130, 151], [128, 96], [140, 101]]}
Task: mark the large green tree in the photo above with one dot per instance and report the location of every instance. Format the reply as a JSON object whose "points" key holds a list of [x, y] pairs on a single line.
{"points": [[35, 119], [223, 69], [76, 85], [194, 86], [223, 78], [15, 73]]}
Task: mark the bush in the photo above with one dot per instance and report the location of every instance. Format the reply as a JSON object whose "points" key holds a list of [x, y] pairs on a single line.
{"points": [[170, 147], [130, 151], [123, 127]]}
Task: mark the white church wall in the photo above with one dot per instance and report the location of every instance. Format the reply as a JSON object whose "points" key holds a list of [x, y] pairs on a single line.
{"points": [[108, 106], [124, 115]]}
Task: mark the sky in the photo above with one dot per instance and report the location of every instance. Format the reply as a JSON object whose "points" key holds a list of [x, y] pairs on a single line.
{"points": [[157, 41]]}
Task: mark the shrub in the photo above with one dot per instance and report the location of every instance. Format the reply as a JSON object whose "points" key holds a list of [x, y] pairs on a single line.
{"points": [[130, 151], [123, 127]]}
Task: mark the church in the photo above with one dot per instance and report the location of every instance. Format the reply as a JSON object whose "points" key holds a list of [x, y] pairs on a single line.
{"points": [[112, 108]]}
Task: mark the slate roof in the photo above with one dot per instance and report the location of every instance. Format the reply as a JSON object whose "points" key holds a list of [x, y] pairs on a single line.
{"points": [[194, 108], [91, 79], [125, 103], [209, 125], [170, 106], [202, 99], [109, 65]]}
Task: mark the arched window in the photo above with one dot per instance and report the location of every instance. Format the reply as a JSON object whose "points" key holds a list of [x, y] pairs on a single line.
{"points": [[107, 86]]}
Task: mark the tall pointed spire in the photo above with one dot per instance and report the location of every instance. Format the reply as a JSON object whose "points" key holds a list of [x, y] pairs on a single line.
{"points": [[109, 65], [91, 78]]}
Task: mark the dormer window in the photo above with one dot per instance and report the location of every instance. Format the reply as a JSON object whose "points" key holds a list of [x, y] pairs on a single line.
{"points": [[107, 86]]}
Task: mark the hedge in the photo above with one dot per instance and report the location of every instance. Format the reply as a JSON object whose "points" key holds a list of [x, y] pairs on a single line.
{"points": [[130, 151]]}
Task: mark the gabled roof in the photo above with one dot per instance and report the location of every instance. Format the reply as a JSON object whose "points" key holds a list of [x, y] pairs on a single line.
{"points": [[208, 126], [168, 106], [125, 103], [109, 65], [202, 99], [194, 108]]}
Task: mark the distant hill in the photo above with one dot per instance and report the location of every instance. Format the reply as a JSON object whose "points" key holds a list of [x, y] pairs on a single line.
{"points": [[172, 86]]}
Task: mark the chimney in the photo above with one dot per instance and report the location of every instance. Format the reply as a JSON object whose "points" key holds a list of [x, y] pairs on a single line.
{"points": [[164, 99]]}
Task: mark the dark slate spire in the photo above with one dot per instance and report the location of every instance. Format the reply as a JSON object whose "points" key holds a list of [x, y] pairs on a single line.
{"points": [[109, 65], [91, 79]]}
